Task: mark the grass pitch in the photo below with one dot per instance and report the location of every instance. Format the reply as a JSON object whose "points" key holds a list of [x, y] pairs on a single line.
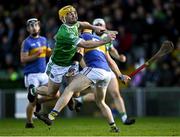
{"points": [[90, 126]]}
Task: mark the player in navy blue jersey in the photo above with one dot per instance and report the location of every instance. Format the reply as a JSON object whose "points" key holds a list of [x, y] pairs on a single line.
{"points": [[34, 50], [113, 87]]}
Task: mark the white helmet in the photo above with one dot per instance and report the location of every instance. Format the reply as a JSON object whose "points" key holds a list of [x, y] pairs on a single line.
{"points": [[99, 21], [31, 21]]}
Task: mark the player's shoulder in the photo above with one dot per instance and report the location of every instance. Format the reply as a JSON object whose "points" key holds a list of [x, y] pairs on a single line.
{"points": [[63, 30], [43, 38], [86, 36], [26, 41], [65, 27]]}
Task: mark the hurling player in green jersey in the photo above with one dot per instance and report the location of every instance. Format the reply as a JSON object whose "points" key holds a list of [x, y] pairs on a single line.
{"points": [[66, 46]]}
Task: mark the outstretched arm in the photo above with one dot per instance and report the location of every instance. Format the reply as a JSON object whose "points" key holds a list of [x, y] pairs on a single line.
{"points": [[94, 44], [116, 55], [87, 25], [125, 79]]}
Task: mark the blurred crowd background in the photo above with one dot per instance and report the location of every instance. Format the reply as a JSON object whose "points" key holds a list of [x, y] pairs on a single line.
{"points": [[142, 26]]}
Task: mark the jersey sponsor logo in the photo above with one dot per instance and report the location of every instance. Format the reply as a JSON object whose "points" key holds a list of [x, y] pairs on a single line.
{"points": [[33, 44], [39, 44]]}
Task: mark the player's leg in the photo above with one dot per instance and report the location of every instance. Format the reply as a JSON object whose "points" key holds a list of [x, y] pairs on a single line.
{"points": [[43, 96], [51, 94], [100, 93], [55, 73], [89, 97], [30, 82], [29, 114], [41, 90], [79, 83], [47, 106], [43, 79], [78, 101], [113, 90]]}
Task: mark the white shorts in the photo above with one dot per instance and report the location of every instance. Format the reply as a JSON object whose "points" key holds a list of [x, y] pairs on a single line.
{"points": [[56, 72], [36, 79], [113, 75], [98, 76]]}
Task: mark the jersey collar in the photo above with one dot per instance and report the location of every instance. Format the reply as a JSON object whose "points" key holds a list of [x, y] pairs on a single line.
{"points": [[69, 26]]}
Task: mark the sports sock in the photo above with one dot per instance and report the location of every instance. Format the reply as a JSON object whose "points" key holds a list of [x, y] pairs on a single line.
{"points": [[32, 90], [79, 99], [112, 124], [123, 117]]}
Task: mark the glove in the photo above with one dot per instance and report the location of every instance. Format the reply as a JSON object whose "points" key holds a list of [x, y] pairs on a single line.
{"points": [[74, 69]]}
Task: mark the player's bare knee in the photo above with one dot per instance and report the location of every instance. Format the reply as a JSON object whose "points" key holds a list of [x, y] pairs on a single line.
{"points": [[100, 103]]}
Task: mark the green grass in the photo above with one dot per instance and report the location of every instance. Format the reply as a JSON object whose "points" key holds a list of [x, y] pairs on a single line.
{"points": [[83, 126]]}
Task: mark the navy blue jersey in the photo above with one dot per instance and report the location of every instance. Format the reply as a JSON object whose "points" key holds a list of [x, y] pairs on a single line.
{"points": [[31, 45], [95, 57]]}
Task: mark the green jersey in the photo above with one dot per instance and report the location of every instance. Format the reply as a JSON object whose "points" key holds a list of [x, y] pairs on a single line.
{"points": [[67, 39]]}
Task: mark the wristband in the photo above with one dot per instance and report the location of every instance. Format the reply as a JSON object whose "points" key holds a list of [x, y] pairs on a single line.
{"points": [[77, 57], [121, 77]]}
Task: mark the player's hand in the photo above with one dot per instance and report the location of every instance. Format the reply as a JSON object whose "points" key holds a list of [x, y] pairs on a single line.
{"points": [[73, 70], [99, 29], [122, 58], [124, 78], [111, 32], [109, 38], [39, 52]]}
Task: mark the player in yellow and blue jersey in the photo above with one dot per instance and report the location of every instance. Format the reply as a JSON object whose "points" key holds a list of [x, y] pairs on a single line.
{"points": [[95, 57], [34, 50], [113, 87]]}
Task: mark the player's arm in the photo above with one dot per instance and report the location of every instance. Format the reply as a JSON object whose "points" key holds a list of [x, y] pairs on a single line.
{"points": [[125, 79], [113, 65], [48, 49], [116, 55], [82, 62], [77, 58], [25, 57], [87, 25], [94, 44], [48, 52]]}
